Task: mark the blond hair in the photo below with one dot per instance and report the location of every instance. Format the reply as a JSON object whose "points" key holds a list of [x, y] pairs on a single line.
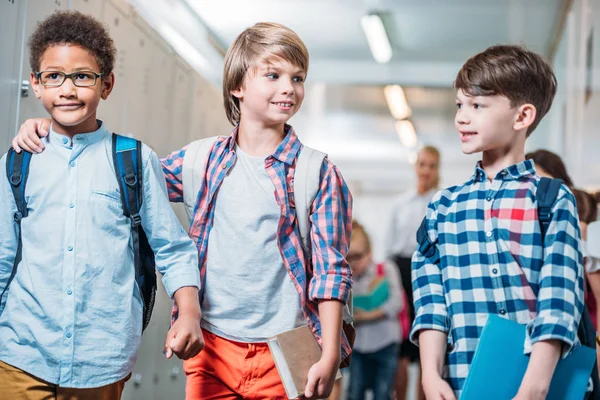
{"points": [[358, 231], [263, 41], [436, 153]]}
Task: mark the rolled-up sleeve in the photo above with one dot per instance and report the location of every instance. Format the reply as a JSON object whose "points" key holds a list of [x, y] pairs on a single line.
{"points": [[172, 167], [175, 254], [331, 227], [428, 290], [560, 292]]}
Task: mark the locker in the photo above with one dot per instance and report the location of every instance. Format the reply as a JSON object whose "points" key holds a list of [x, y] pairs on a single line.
{"points": [[11, 20], [37, 10]]}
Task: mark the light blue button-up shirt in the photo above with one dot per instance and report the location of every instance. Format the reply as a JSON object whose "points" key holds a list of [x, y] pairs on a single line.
{"points": [[72, 315]]}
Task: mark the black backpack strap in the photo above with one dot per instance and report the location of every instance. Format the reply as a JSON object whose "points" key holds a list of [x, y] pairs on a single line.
{"points": [[547, 192], [424, 244], [17, 171]]}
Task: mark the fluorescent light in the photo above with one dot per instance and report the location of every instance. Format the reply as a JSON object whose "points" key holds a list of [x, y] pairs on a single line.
{"points": [[407, 134], [394, 95], [377, 38]]}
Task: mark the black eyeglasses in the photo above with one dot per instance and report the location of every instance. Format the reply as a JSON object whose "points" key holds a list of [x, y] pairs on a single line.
{"points": [[57, 78]]}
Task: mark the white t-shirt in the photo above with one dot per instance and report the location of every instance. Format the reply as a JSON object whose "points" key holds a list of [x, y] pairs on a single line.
{"points": [[248, 294]]}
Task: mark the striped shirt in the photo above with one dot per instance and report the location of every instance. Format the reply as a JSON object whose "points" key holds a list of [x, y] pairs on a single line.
{"points": [[493, 261], [327, 276]]}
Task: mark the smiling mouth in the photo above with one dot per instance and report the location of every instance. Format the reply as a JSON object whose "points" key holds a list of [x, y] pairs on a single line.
{"points": [[68, 106], [283, 104]]}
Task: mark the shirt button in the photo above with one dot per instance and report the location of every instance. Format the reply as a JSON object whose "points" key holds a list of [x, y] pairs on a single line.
{"points": [[70, 248], [65, 140], [495, 271], [69, 292], [71, 205], [72, 164], [489, 199], [488, 234], [68, 335], [223, 166], [503, 311]]}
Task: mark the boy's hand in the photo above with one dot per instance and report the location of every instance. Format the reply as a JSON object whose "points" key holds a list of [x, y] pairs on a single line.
{"points": [[184, 338], [436, 388], [28, 138], [321, 378]]}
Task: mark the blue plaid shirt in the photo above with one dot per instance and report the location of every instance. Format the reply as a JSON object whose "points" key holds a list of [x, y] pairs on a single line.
{"points": [[493, 261]]}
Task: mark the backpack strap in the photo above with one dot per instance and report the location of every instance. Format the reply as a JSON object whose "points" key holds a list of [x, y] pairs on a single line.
{"points": [[424, 244], [307, 181], [127, 159], [547, 192], [17, 172], [194, 165]]}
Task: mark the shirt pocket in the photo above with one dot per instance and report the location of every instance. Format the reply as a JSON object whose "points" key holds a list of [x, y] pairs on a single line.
{"points": [[107, 210]]}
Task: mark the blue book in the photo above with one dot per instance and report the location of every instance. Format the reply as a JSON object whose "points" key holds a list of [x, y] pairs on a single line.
{"points": [[499, 365]]}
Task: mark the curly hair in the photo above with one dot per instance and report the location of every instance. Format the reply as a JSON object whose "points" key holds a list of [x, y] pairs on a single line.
{"points": [[73, 28]]}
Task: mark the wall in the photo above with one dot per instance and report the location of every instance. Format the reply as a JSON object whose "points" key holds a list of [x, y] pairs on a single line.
{"points": [[575, 116]]}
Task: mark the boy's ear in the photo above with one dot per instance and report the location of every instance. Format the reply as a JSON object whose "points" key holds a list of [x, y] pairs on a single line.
{"points": [[239, 93], [525, 116], [35, 85], [108, 84]]}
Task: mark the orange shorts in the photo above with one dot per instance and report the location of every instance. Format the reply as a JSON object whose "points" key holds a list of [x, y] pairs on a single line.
{"points": [[231, 370]]}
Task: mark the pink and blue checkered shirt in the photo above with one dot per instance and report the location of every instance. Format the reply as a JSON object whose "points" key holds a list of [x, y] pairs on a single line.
{"points": [[327, 276], [493, 261]]}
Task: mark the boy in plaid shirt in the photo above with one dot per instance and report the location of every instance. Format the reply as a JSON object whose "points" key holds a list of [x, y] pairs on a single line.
{"points": [[492, 258]]}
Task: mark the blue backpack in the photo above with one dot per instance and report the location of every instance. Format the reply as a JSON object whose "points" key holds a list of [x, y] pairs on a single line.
{"points": [[546, 196], [127, 154]]}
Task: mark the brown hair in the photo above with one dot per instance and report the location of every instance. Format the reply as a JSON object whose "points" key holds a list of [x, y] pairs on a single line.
{"points": [[552, 164], [263, 41], [587, 209], [521, 75], [358, 231], [73, 28]]}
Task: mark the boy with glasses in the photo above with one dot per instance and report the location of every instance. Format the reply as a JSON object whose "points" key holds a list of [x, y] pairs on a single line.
{"points": [[71, 318]]}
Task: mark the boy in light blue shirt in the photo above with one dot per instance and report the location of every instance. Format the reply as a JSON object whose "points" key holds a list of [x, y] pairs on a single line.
{"points": [[71, 319]]}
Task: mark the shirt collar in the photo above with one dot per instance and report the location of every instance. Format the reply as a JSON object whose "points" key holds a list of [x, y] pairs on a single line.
{"points": [[286, 151], [514, 172], [80, 138]]}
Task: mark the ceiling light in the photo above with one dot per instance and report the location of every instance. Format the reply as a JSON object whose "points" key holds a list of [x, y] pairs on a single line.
{"points": [[407, 134], [394, 95], [377, 38]]}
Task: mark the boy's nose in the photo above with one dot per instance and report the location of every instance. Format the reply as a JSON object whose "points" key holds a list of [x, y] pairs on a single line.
{"points": [[461, 118], [68, 88], [287, 88]]}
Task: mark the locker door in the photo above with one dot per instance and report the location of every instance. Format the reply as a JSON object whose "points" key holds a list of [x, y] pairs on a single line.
{"points": [[91, 7], [12, 20], [37, 10]]}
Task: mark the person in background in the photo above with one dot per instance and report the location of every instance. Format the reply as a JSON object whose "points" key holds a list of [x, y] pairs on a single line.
{"points": [[549, 165], [400, 243], [377, 298]]}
